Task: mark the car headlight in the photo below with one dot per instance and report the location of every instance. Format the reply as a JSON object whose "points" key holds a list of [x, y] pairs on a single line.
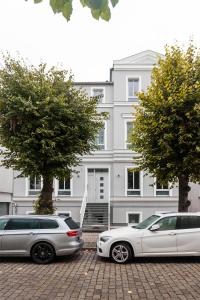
{"points": [[105, 238]]}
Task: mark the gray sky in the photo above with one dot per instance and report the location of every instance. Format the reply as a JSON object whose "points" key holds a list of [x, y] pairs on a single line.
{"points": [[88, 47]]}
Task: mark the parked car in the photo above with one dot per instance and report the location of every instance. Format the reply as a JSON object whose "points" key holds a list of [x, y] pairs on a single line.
{"points": [[171, 234], [41, 237]]}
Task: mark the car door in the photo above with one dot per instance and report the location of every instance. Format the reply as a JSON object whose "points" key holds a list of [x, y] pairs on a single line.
{"points": [[161, 241], [188, 234], [3, 222], [18, 235]]}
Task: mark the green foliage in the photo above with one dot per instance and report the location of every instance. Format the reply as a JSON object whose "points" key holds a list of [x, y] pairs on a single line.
{"points": [[46, 123], [167, 126], [99, 8]]}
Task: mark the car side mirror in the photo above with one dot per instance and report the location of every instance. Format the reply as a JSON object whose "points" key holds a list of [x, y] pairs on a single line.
{"points": [[154, 227]]}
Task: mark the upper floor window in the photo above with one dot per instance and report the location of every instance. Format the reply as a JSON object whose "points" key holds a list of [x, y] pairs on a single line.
{"points": [[98, 92], [162, 189], [133, 183], [129, 129], [64, 187], [35, 185], [100, 139], [133, 89]]}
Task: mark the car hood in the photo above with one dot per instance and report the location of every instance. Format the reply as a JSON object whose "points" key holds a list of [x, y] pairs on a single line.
{"points": [[122, 231]]}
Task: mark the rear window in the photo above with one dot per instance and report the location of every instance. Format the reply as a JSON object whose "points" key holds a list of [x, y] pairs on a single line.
{"points": [[71, 224]]}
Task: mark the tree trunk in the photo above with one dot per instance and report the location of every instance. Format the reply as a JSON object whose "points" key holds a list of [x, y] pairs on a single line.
{"points": [[44, 204], [184, 189]]}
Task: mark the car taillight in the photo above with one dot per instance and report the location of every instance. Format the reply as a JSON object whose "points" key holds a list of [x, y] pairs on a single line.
{"points": [[72, 233]]}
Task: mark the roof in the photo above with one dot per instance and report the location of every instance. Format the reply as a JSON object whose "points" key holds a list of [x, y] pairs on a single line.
{"points": [[144, 58], [95, 83]]}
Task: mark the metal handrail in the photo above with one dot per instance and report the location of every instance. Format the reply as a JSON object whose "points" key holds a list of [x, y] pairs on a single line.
{"points": [[83, 206]]}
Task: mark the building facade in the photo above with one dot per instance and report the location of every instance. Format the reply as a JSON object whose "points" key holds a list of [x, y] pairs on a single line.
{"points": [[107, 175]]}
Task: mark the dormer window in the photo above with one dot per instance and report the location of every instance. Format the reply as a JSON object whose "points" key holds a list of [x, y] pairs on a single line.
{"points": [[133, 89], [98, 92]]}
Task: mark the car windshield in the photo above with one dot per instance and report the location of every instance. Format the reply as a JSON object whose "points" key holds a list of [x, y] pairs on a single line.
{"points": [[144, 224]]}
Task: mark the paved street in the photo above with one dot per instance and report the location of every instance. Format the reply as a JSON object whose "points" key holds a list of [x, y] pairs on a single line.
{"points": [[86, 276]]}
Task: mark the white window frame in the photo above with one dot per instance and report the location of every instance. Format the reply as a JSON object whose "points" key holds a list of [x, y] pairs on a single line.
{"points": [[164, 190], [36, 190], [126, 121], [105, 137], [135, 98], [126, 182], [133, 212], [99, 87], [57, 195]]}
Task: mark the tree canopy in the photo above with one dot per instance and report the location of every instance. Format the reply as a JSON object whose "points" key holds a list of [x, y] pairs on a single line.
{"points": [[46, 123], [99, 8], [167, 125]]}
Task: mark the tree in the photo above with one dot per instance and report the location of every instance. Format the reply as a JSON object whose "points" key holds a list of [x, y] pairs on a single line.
{"points": [[46, 123], [167, 125], [99, 8]]}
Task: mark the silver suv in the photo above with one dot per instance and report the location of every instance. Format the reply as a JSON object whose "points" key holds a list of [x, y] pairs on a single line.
{"points": [[41, 237]]}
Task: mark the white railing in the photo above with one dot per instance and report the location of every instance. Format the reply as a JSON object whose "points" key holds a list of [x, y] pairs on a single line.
{"points": [[83, 206]]}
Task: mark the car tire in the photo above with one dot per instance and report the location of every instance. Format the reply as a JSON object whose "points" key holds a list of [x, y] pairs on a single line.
{"points": [[43, 253], [121, 252]]}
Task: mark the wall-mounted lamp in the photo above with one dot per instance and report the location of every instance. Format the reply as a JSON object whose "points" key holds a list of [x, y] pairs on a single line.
{"points": [[118, 175]]}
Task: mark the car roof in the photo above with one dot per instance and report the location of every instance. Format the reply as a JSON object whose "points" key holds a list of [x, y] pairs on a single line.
{"points": [[34, 216], [178, 214]]}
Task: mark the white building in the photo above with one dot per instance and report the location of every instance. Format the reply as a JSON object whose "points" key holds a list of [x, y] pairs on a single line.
{"points": [[114, 193]]}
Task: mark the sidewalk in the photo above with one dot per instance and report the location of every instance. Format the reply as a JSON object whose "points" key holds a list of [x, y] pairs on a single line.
{"points": [[90, 239]]}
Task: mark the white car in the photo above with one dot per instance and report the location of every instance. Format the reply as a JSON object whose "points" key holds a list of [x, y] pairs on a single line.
{"points": [[170, 234]]}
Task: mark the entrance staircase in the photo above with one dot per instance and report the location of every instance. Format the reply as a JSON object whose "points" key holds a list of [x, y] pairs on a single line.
{"points": [[95, 217]]}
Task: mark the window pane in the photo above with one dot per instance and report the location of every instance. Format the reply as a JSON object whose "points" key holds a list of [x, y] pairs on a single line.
{"points": [[61, 184], [136, 180], [32, 183], [48, 224], [67, 184], [133, 218], [188, 222], [38, 183], [130, 87], [133, 87], [2, 223], [168, 223], [98, 92], [130, 179], [22, 224], [100, 138]]}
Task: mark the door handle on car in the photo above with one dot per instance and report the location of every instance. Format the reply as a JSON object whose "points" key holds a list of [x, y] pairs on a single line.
{"points": [[172, 233]]}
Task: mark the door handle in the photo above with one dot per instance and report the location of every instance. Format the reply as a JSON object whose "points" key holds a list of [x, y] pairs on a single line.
{"points": [[172, 233]]}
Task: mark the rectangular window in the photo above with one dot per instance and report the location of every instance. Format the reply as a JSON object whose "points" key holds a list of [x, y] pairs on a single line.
{"points": [[64, 187], [133, 217], [133, 89], [162, 189], [100, 139], [129, 129], [133, 183], [100, 93], [35, 185]]}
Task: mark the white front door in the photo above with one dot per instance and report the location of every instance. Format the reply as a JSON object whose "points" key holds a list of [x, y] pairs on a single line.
{"points": [[162, 241], [98, 189]]}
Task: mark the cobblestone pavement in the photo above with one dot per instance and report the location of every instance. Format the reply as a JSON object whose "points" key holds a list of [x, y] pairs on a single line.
{"points": [[85, 276], [90, 239]]}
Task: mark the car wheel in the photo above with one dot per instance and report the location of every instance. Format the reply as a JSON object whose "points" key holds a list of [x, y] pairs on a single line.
{"points": [[121, 252], [42, 253]]}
